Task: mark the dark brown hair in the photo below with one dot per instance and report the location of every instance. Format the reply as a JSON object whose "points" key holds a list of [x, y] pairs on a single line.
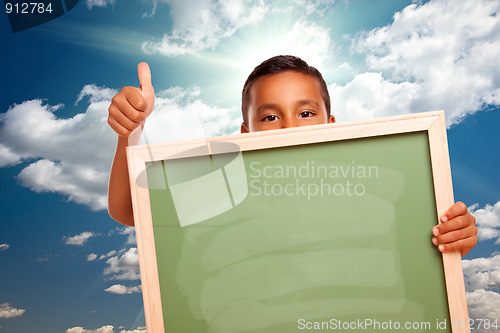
{"points": [[280, 64]]}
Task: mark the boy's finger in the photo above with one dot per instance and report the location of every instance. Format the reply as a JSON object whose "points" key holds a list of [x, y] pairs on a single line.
{"points": [[128, 121], [144, 74], [118, 128], [460, 222], [458, 208], [455, 235], [129, 98], [464, 245]]}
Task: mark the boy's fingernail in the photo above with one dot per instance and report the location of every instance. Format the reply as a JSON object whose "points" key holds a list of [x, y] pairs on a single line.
{"points": [[441, 248], [434, 241], [435, 231], [444, 219]]}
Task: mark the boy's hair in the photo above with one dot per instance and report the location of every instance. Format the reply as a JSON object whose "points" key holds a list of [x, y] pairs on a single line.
{"points": [[277, 65]]}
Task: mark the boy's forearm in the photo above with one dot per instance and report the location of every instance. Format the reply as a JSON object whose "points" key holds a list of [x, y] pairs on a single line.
{"points": [[119, 199]]}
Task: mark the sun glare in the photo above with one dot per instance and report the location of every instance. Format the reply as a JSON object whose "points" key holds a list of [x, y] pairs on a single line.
{"points": [[236, 56]]}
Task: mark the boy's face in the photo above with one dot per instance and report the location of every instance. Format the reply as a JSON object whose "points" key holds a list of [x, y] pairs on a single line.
{"points": [[288, 99]]}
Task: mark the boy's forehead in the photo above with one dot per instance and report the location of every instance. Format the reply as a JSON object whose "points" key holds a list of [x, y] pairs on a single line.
{"points": [[275, 85]]}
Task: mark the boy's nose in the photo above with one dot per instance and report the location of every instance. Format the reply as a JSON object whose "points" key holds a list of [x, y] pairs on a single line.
{"points": [[287, 122]]}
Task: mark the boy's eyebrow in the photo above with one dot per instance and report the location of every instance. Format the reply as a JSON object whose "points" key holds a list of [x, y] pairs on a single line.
{"points": [[276, 106], [307, 102], [268, 106]]}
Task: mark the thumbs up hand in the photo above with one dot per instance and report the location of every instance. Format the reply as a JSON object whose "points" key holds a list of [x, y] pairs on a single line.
{"points": [[131, 106]]}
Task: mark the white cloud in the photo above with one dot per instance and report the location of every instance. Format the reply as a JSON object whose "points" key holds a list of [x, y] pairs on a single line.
{"points": [[103, 329], [122, 290], [139, 329], [130, 232], [4, 247], [482, 273], [124, 267], [107, 255], [153, 10], [79, 239], [6, 311], [440, 55], [99, 3], [95, 256], [484, 304], [309, 41], [179, 114], [305, 39], [201, 24], [73, 155], [95, 94], [67, 179], [7, 156], [369, 95], [487, 221], [314, 6]]}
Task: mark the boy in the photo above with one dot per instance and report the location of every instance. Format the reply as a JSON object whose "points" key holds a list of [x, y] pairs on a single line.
{"points": [[283, 91]]}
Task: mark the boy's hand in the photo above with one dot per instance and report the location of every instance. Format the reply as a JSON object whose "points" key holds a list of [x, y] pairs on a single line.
{"points": [[457, 231], [131, 106]]}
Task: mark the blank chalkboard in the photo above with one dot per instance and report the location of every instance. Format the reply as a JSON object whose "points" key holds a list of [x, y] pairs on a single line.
{"points": [[320, 228]]}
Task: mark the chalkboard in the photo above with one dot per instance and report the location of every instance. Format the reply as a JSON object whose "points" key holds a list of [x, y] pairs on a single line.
{"points": [[317, 228]]}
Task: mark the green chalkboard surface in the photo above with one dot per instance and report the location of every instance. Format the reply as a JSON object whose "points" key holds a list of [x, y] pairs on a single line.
{"points": [[328, 231], [322, 236]]}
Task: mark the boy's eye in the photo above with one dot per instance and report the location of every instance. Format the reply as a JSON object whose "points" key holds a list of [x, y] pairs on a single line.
{"points": [[271, 117], [306, 114]]}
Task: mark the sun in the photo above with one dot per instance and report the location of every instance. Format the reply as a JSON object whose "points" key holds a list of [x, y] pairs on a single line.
{"points": [[237, 55]]}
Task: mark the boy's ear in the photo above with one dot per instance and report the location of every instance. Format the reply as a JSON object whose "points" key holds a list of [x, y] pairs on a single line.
{"points": [[331, 119], [244, 128]]}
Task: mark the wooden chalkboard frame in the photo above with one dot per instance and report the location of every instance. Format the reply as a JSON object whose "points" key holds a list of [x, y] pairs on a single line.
{"points": [[432, 122]]}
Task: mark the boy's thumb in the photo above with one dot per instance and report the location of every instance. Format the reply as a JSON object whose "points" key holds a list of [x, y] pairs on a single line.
{"points": [[146, 87]]}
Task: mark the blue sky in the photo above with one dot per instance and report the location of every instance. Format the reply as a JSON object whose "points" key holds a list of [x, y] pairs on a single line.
{"points": [[67, 267]]}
